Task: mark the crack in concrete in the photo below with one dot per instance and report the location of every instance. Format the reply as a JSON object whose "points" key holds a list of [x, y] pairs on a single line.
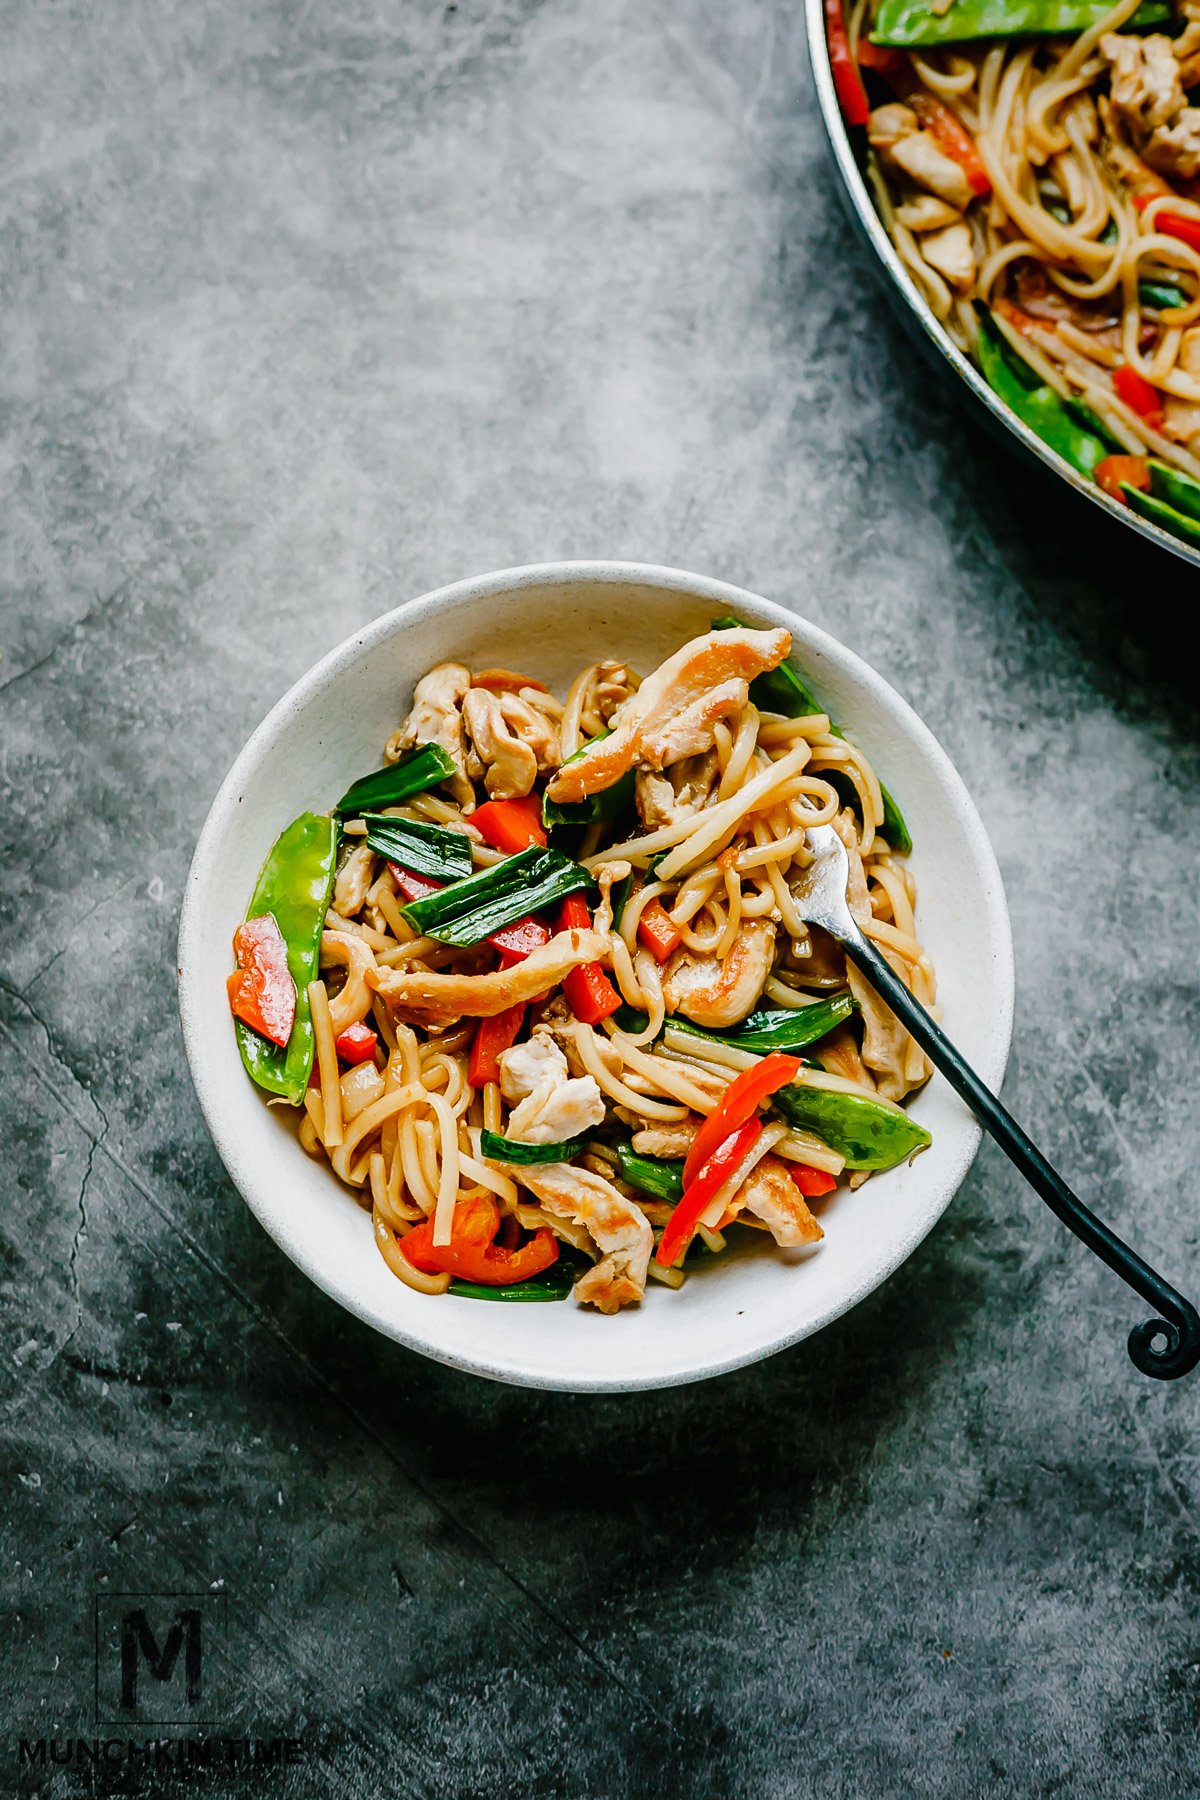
{"points": [[104, 900], [57, 1057], [95, 1146], [99, 607], [101, 1147]]}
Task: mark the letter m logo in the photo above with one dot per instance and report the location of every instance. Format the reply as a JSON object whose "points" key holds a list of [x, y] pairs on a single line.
{"points": [[138, 1644], [162, 1659]]}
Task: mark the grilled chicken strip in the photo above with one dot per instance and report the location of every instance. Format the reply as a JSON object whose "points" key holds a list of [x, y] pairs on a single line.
{"points": [[436, 718], [616, 1225], [548, 1104], [717, 994], [441, 999], [770, 1194], [673, 712]]}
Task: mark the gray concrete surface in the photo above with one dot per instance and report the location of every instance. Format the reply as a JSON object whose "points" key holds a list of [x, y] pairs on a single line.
{"points": [[307, 308]]}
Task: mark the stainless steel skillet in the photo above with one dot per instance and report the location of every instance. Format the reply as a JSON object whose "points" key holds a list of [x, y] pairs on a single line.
{"points": [[919, 320]]}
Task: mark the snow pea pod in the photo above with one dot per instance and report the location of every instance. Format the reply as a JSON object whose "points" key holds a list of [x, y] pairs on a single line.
{"points": [[294, 886], [918, 23], [783, 691], [1035, 403], [870, 1133], [1160, 513], [1176, 489]]}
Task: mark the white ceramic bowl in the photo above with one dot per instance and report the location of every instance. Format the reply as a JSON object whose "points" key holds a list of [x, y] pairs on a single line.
{"points": [[331, 727]]}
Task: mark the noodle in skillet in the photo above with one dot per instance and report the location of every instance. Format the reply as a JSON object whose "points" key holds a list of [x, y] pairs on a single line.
{"points": [[601, 1034], [1037, 166]]}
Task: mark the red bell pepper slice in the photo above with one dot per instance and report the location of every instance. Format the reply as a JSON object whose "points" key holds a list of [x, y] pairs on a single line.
{"points": [[951, 137], [1137, 393], [511, 825], [261, 991], [891, 64], [518, 941], [847, 82], [655, 930], [712, 1174], [740, 1101], [492, 1038], [1176, 225], [414, 887], [590, 994], [811, 1182], [357, 1044], [1115, 472], [472, 1252], [506, 681], [522, 939]]}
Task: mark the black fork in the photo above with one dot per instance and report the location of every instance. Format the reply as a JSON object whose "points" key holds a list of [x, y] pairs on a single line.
{"points": [[1166, 1346]]}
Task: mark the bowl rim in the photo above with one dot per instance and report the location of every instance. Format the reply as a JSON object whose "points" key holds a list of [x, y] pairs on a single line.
{"points": [[858, 196], [725, 596]]}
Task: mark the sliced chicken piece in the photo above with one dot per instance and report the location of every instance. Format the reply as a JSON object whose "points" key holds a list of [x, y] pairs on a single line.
{"points": [[666, 1140], [770, 1194], [683, 790], [1175, 148], [529, 716], [715, 993], [508, 765], [548, 1108], [614, 685], [857, 897], [951, 252], [1187, 45], [1146, 89], [562, 1025], [443, 999], [673, 712], [925, 212], [918, 155], [511, 739], [616, 1225], [1147, 98], [885, 1041], [839, 1053], [436, 718], [353, 881], [888, 124], [1122, 161]]}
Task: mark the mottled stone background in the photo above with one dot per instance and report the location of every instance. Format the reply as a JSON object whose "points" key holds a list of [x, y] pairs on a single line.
{"points": [[307, 308]]}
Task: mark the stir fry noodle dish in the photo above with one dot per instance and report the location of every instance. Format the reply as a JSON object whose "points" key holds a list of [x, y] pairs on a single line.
{"points": [[539, 994], [1037, 166]]}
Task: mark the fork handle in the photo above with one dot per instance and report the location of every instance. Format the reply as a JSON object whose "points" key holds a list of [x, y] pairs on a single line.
{"points": [[1179, 1324]]}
